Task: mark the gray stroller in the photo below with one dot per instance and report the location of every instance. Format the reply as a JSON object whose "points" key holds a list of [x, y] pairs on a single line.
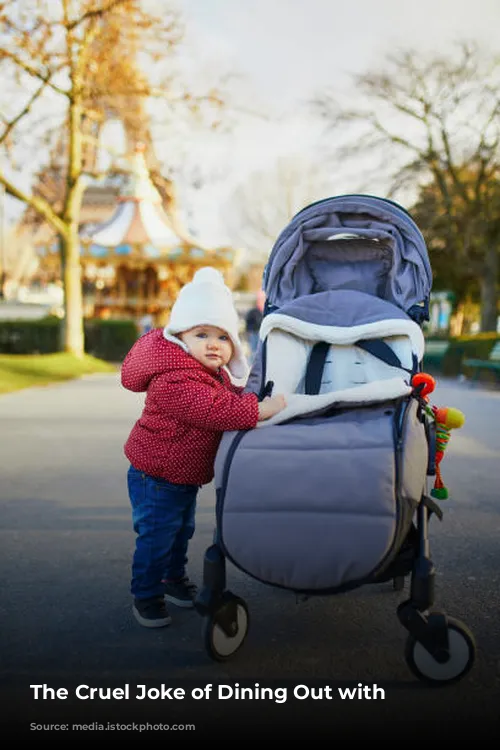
{"points": [[331, 493]]}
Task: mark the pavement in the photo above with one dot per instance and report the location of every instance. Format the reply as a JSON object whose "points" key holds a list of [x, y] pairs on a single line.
{"points": [[66, 544]]}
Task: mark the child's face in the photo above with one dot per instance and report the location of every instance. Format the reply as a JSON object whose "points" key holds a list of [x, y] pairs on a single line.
{"points": [[209, 345]]}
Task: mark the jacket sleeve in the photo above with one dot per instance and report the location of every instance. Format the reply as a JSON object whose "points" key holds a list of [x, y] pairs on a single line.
{"points": [[204, 406], [129, 372]]}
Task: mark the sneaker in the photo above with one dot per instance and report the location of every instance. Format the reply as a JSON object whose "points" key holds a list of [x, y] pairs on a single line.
{"points": [[181, 592], [151, 613]]}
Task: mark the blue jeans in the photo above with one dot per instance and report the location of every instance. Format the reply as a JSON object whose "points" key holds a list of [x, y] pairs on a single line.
{"points": [[163, 516]]}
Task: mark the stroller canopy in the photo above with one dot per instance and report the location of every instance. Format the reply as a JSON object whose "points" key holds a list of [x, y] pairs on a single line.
{"points": [[356, 242]]}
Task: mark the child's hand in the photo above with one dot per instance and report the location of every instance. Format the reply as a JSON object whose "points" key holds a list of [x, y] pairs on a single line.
{"points": [[270, 406]]}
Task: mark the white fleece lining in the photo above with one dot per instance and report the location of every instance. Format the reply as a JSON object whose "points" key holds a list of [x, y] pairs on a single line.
{"points": [[288, 348], [346, 335], [367, 393]]}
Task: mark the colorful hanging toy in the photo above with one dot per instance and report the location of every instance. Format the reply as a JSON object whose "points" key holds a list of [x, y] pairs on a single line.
{"points": [[446, 418]]}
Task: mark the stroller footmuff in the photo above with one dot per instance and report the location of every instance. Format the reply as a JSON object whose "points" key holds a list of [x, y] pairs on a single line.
{"points": [[330, 493], [324, 473]]}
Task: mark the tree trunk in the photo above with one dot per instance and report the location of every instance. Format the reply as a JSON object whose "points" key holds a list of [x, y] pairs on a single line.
{"points": [[489, 289], [73, 338], [72, 279]]}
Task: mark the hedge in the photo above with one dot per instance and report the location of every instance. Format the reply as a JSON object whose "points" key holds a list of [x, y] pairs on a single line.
{"points": [[460, 348], [109, 340]]}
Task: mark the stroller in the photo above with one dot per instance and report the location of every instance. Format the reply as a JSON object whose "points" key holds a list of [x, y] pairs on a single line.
{"points": [[331, 493]]}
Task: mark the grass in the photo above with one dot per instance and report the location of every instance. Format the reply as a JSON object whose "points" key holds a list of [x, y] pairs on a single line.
{"points": [[18, 371]]}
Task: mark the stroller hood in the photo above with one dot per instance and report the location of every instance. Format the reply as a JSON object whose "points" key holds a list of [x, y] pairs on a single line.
{"points": [[354, 242]]}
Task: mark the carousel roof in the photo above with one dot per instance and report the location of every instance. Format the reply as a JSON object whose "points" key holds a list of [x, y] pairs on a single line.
{"points": [[139, 218]]}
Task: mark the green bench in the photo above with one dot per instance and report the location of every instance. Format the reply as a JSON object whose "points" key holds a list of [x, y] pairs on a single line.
{"points": [[492, 364], [434, 352]]}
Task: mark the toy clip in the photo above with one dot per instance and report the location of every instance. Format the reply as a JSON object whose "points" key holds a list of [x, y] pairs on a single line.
{"points": [[423, 384]]}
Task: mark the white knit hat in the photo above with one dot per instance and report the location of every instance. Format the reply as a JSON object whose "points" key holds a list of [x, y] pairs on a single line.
{"points": [[206, 300]]}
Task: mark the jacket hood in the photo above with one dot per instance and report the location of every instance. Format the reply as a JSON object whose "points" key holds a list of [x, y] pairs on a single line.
{"points": [[153, 355]]}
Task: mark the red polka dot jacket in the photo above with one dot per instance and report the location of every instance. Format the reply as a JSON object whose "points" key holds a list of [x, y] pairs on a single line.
{"points": [[186, 410]]}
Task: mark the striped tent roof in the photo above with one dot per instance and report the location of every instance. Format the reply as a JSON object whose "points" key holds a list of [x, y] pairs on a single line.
{"points": [[139, 218]]}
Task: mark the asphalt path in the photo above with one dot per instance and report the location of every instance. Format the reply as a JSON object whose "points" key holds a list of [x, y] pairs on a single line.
{"points": [[66, 543]]}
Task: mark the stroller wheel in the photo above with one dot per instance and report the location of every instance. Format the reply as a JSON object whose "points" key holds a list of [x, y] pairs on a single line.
{"points": [[225, 629], [462, 652]]}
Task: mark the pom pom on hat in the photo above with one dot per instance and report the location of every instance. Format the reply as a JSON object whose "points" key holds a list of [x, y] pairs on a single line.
{"points": [[209, 274], [206, 300]]}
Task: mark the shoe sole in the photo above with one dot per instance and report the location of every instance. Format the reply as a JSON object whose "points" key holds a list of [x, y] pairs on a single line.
{"points": [[186, 603], [161, 623]]}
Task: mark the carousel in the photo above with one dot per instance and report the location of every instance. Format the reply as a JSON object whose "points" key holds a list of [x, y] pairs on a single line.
{"points": [[134, 264]]}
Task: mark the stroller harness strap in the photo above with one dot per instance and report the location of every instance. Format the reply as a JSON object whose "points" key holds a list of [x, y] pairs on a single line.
{"points": [[381, 350], [314, 372], [315, 367]]}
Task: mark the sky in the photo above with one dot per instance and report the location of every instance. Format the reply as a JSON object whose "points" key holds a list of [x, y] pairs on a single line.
{"points": [[286, 51], [291, 47]]}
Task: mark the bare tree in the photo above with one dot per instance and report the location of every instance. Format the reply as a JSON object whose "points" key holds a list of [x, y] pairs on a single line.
{"points": [[71, 63], [437, 121]]}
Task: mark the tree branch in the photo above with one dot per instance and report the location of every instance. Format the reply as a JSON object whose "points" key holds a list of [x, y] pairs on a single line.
{"points": [[39, 204], [44, 77], [451, 166], [11, 125], [484, 160], [96, 13], [392, 137]]}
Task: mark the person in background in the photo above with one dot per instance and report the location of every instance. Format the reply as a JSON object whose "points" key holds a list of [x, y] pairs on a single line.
{"points": [[253, 319], [145, 324]]}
